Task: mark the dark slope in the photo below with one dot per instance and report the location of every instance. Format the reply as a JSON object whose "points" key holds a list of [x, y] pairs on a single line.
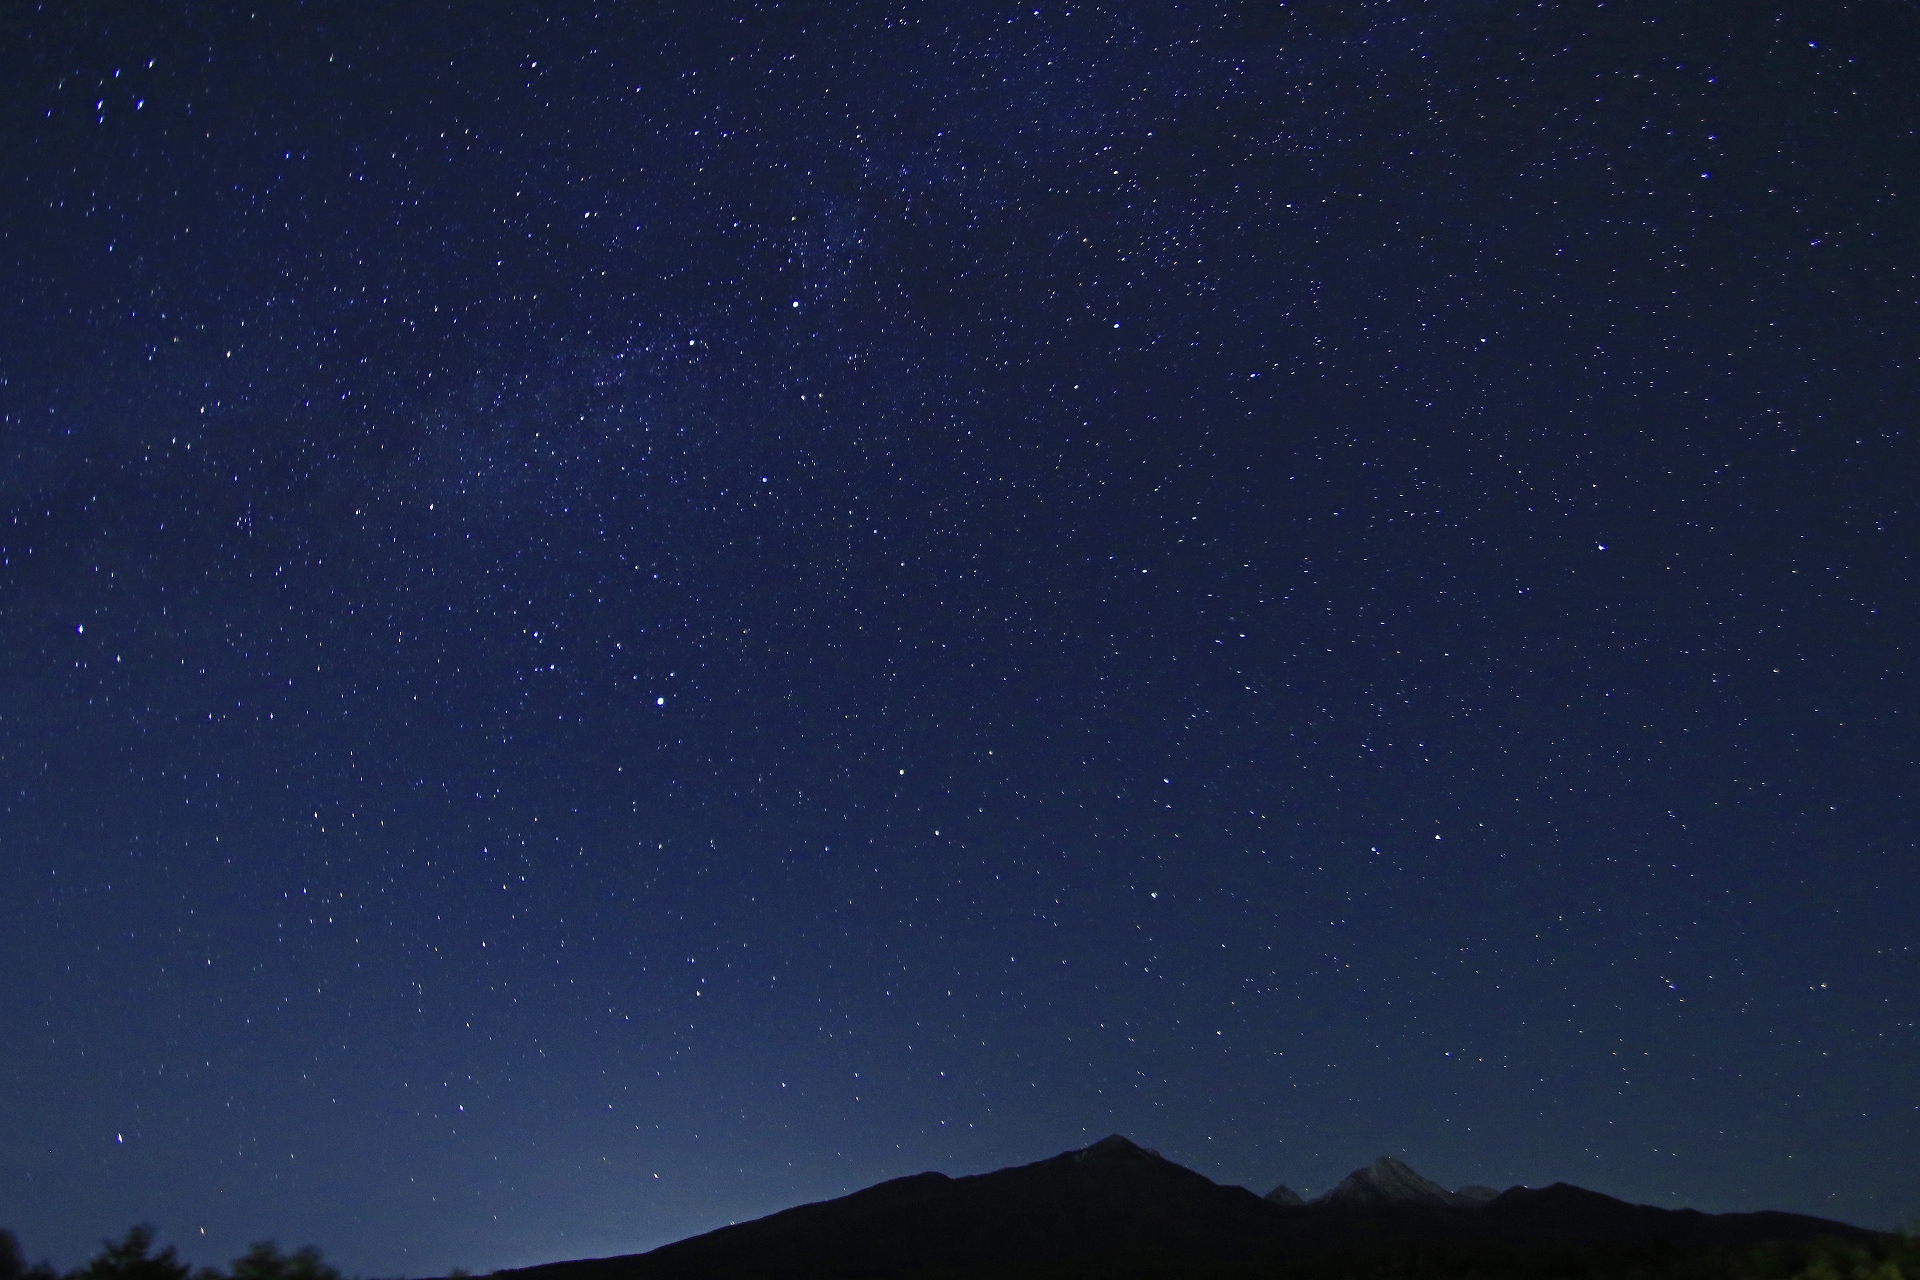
{"points": [[1111, 1195], [1114, 1199], [1563, 1212]]}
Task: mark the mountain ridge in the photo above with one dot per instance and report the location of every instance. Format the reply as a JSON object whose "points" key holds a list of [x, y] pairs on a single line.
{"points": [[1114, 1198]]}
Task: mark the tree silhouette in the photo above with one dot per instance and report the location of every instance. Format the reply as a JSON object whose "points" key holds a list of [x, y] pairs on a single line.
{"points": [[133, 1258], [264, 1261], [13, 1264]]}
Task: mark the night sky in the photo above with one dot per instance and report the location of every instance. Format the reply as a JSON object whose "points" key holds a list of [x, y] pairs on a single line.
{"points": [[615, 619]]}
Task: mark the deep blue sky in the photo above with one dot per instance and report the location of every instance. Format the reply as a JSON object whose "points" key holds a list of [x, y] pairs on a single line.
{"points": [[612, 621]]}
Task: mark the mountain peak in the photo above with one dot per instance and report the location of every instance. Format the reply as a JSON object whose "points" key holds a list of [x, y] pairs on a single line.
{"points": [[1388, 1181], [1115, 1149]]}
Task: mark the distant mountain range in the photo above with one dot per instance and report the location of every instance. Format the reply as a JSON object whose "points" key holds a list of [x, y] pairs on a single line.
{"points": [[1117, 1200]]}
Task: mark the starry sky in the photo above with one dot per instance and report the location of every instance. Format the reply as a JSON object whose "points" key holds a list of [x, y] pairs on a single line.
{"points": [[613, 618]]}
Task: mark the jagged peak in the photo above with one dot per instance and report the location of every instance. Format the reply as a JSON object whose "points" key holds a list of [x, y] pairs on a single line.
{"points": [[1284, 1195], [1389, 1181]]}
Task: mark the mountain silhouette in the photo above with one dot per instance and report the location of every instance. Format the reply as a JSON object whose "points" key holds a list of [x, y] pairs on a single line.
{"points": [[1386, 1181], [1117, 1199]]}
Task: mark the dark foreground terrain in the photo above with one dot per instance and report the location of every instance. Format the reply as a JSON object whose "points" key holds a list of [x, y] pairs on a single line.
{"points": [[1114, 1209]]}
